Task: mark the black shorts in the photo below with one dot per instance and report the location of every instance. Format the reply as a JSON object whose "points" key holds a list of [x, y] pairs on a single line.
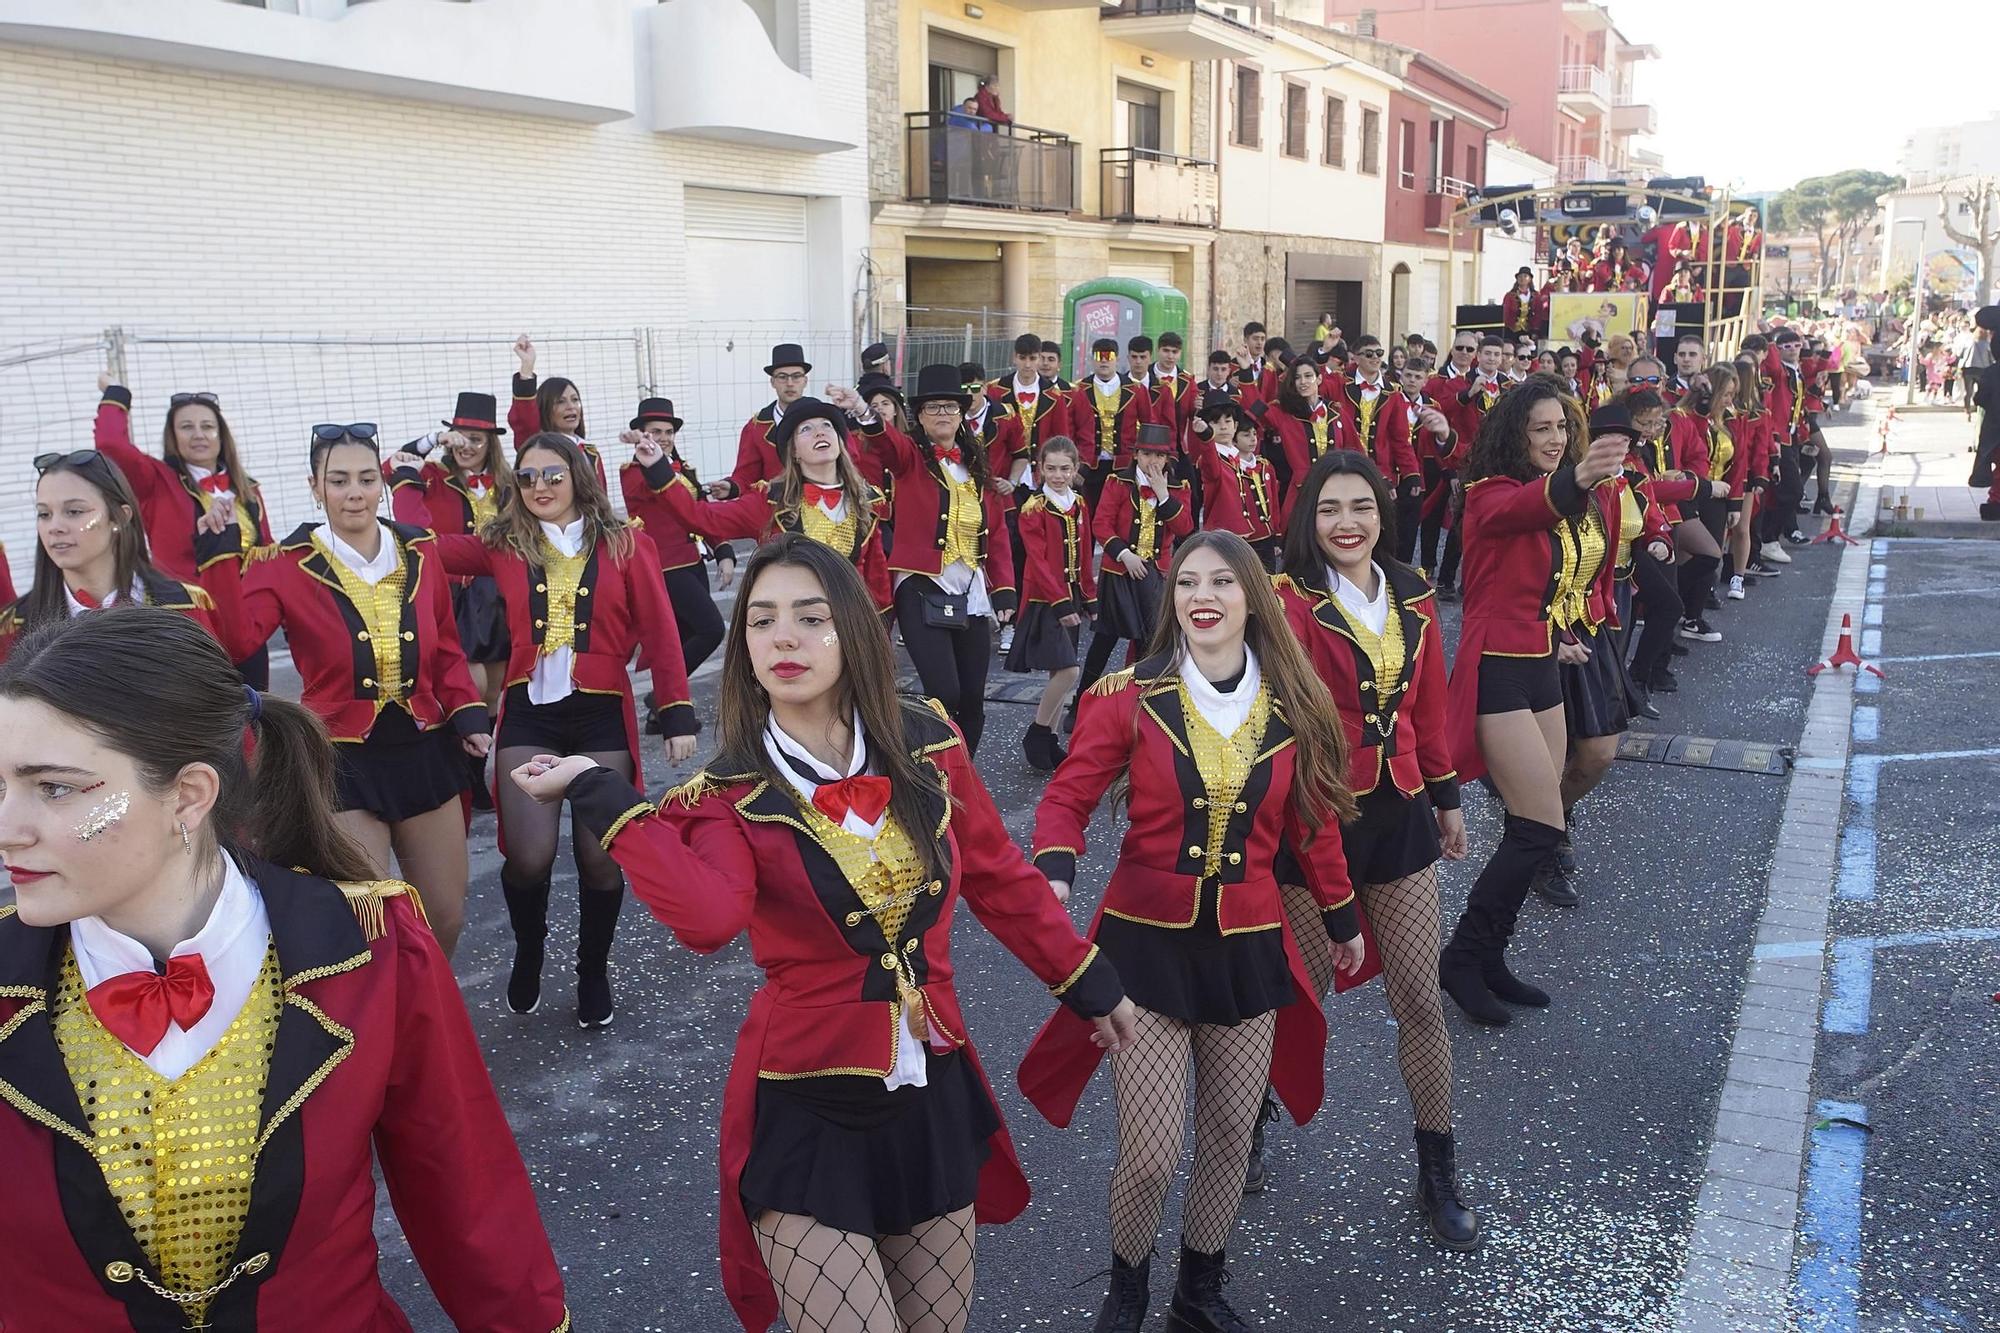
{"points": [[400, 772], [1395, 835], [1509, 684], [581, 723]]}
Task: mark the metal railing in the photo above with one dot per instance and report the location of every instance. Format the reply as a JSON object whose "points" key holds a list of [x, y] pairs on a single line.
{"points": [[1182, 8], [958, 158], [1578, 168], [1586, 79], [1147, 185], [1451, 186]]}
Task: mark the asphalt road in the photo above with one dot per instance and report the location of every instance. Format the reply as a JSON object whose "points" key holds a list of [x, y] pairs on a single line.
{"points": [[1582, 1130]]}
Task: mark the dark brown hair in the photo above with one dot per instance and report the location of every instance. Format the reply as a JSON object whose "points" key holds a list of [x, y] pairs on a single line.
{"points": [[45, 601], [1501, 449], [1304, 559], [193, 711], [1319, 771], [516, 529], [867, 685], [227, 459], [545, 404]]}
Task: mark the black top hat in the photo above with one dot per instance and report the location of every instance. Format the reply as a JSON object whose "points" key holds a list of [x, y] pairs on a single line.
{"points": [[874, 354], [939, 382], [656, 409], [475, 411], [1153, 436], [873, 383], [804, 410], [1612, 419], [1221, 403], [1988, 318], [788, 354]]}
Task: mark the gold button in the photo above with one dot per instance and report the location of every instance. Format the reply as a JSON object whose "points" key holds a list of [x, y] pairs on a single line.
{"points": [[937, 887], [361, 636], [540, 624], [367, 682], [853, 919], [1236, 858], [581, 627], [119, 1271], [910, 946], [1194, 851], [541, 587], [257, 1263], [1241, 807], [409, 636], [889, 962], [1373, 718], [1367, 684], [1201, 803], [583, 592]]}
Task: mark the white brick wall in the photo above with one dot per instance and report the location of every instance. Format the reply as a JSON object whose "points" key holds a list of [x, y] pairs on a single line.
{"points": [[160, 198]]}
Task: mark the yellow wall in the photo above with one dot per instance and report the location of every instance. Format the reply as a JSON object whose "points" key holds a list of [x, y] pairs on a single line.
{"points": [[1062, 74]]}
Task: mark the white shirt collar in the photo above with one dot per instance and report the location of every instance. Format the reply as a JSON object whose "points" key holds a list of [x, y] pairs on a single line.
{"points": [[1225, 712], [1377, 384], [1063, 500], [1033, 386], [788, 756], [371, 571], [568, 539], [1370, 611], [137, 595], [1105, 385]]}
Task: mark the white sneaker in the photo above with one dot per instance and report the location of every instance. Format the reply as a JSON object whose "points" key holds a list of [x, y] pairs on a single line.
{"points": [[1775, 554], [1735, 593]]}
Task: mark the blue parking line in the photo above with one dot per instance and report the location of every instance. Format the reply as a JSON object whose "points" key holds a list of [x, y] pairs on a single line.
{"points": [[1847, 1004], [1867, 723], [1829, 1280], [1857, 834]]}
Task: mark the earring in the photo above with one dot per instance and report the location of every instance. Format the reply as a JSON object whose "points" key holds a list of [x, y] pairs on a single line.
{"points": [[187, 843]]}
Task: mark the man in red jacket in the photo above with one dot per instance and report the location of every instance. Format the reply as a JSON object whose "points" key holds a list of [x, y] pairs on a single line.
{"points": [[756, 456]]}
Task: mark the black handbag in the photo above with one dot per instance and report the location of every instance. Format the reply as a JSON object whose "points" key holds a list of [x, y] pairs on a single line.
{"points": [[945, 610]]}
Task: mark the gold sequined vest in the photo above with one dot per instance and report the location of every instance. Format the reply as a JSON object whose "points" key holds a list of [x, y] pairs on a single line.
{"points": [[380, 606], [964, 524], [177, 1154], [1386, 651], [887, 875], [838, 533], [1583, 550], [562, 575], [1224, 763]]}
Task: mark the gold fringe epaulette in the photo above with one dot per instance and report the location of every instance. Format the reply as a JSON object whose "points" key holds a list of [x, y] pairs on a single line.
{"points": [[1034, 504], [937, 708], [1114, 682], [257, 553], [1281, 582], [369, 899], [6, 911], [635, 523], [198, 595], [691, 792]]}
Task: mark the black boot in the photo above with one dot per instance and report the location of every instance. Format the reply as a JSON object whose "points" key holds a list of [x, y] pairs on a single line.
{"points": [[1491, 910], [597, 922], [1124, 1308], [1555, 886], [1454, 1226], [1565, 854], [528, 914], [1198, 1305], [1508, 987], [1037, 745], [1254, 1175], [1460, 976]]}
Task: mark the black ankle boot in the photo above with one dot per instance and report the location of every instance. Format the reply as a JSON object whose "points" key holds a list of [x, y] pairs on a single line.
{"points": [[1198, 1305], [597, 922], [1460, 976], [1454, 1226], [1254, 1174], [1124, 1308], [1506, 986], [528, 914], [1038, 745]]}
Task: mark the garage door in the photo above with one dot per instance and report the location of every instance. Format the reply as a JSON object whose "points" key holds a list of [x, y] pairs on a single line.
{"points": [[1147, 265], [746, 284]]}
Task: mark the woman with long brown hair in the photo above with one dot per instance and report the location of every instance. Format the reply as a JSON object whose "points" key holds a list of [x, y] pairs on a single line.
{"points": [[554, 404], [583, 594], [1227, 746], [840, 826], [90, 551], [217, 1024], [1303, 424], [196, 487]]}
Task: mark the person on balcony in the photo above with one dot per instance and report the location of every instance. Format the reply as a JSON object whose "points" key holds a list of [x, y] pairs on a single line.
{"points": [[986, 103]]}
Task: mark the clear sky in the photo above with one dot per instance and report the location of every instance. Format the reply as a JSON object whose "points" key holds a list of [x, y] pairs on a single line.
{"points": [[1856, 75]]}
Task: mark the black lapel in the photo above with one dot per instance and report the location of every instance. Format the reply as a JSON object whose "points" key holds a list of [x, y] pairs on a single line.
{"points": [[361, 655], [415, 549], [1160, 698], [165, 592], [768, 803]]}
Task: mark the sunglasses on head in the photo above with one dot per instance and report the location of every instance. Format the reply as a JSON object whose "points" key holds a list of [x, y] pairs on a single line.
{"points": [[205, 398], [328, 433], [77, 458], [530, 478]]}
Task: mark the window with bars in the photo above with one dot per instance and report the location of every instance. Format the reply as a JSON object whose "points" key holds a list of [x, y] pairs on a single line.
{"points": [[1371, 141], [1334, 154]]}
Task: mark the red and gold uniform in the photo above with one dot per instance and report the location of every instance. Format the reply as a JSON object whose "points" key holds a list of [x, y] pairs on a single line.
{"points": [[171, 500], [192, 600], [759, 513], [931, 527], [1104, 425], [525, 419], [1327, 425]]}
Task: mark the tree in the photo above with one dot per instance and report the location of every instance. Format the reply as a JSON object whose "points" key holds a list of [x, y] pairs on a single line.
{"points": [[1980, 196], [1835, 209]]}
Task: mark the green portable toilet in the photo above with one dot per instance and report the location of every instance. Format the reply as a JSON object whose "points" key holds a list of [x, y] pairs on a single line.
{"points": [[1120, 308]]}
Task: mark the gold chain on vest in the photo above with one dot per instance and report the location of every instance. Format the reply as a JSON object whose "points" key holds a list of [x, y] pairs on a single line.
{"points": [[562, 575], [1224, 763], [1583, 550], [1385, 650], [888, 877], [380, 606], [964, 524], [178, 1155]]}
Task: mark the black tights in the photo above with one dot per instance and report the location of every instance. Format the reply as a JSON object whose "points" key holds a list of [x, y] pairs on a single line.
{"points": [[695, 616], [1781, 515], [533, 829], [1696, 577], [1663, 608], [951, 663]]}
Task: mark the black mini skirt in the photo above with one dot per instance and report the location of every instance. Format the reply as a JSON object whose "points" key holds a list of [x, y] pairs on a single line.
{"points": [[400, 771], [848, 1152], [1395, 835], [1042, 642], [1199, 975], [577, 724], [1128, 608], [1595, 698]]}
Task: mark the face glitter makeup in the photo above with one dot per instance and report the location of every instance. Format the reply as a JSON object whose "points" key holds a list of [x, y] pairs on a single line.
{"points": [[102, 816], [830, 640]]}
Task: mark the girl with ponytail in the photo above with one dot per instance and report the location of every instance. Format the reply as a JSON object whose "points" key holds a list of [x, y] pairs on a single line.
{"points": [[196, 958]]}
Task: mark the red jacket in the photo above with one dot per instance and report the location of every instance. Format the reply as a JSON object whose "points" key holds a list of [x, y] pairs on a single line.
{"points": [[1296, 441], [1391, 435], [645, 500], [1135, 405], [1631, 278], [1525, 314], [1131, 725], [1509, 577], [1176, 398], [922, 504], [1812, 372], [1662, 457], [1116, 525], [375, 1063], [525, 419], [1467, 408], [1041, 414], [192, 600], [170, 501], [1395, 729], [728, 853], [757, 515], [1245, 501], [446, 498], [299, 589], [1671, 242], [1058, 564]]}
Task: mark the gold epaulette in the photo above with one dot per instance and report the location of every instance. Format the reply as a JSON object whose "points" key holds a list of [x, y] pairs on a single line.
{"points": [[6, 911], [1114, 682], [691, 792], [369, 899], [1281, 582], [199, 596], [1034, 504], [256, 553], [635, 523], [937, 708]]}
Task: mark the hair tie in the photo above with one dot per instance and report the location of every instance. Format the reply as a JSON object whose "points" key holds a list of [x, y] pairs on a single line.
{"points": [[256, 702]]}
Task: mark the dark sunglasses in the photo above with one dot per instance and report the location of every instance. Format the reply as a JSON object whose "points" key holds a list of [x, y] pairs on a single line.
{"points": [[1373, 353], [1642, 379], [530, 478], [328, 433], [183, 399], [1462, 347], [76, 458], [1524, 356]]}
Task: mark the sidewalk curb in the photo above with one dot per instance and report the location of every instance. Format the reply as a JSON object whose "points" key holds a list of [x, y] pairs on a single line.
{"points": [[1740, 1257]]}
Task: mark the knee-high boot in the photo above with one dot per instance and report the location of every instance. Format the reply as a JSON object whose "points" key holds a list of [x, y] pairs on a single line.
{"points": [[597, 922], [1479, 942], [528, 914]]}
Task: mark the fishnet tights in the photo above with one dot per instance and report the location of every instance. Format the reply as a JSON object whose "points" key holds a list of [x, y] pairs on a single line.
{"points": [[1150, 1080], [1403, 915], [831, 1281]]}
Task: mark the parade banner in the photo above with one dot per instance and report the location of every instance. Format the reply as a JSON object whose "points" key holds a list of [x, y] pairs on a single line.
{"points": [[1572, 314]]}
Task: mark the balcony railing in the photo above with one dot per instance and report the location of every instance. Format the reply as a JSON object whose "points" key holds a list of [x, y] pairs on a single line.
{"points": [[955, 158], [1585, 169], [1452, 186], [1584, 80], [1146, 185], [1188, 29]]}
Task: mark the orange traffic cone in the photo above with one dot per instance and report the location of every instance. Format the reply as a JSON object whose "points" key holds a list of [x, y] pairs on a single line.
{"points": [[1844, 654], [1834, 532]]}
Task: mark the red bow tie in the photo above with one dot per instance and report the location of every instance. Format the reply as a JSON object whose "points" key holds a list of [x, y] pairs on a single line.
{"points": [[217, 483], [480, 481], [865, 797], [135, 1006], [948, 453], [828, 496]]}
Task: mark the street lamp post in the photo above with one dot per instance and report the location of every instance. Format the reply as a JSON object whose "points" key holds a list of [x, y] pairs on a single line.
{"points": [[1916, 314]]}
